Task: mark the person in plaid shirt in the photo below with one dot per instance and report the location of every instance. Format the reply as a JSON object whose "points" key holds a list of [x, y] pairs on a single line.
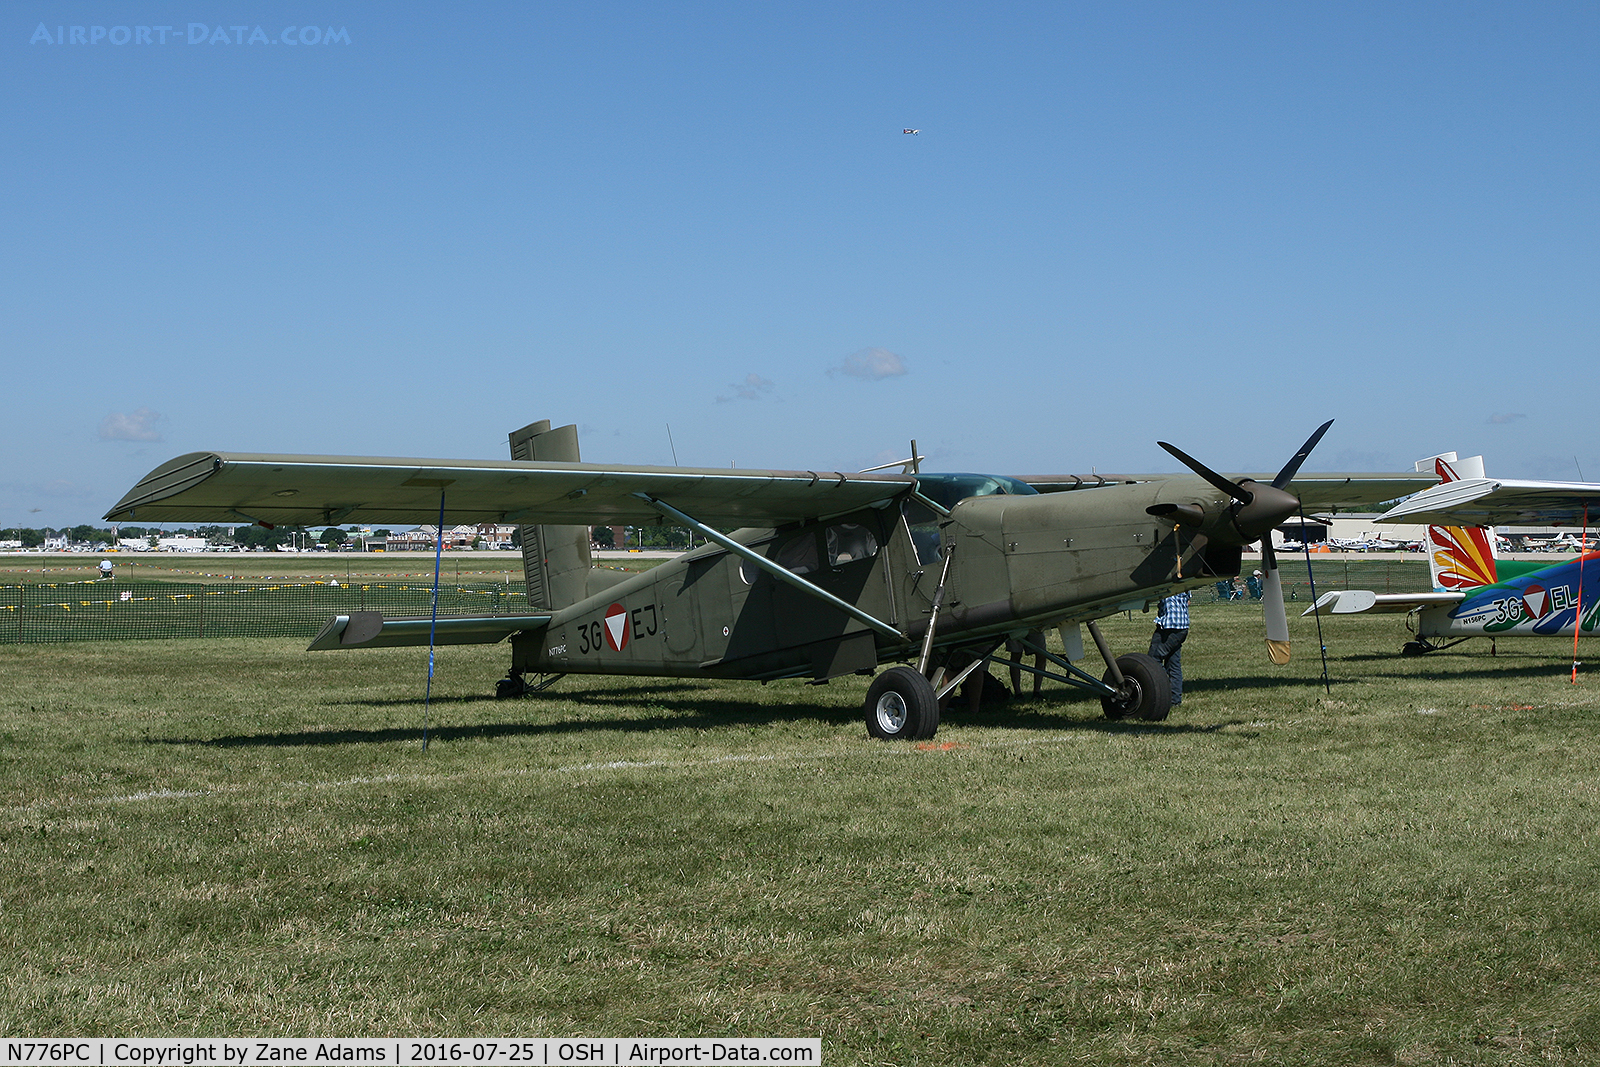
{"points": [[1166, 644]]}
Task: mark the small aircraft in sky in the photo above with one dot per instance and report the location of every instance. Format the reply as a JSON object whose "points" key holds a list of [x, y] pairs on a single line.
{"points": [[1475, 593], [909, 130], [937, 575]]}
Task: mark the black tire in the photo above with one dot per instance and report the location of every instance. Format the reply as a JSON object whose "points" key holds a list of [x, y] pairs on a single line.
{"points": [[901, 706], [510, 687], [1415, 648], [1146, 694]]}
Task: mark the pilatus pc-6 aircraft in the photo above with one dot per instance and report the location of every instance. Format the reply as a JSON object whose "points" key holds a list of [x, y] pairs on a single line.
{"points": [[1474, 593], [934, 575]]}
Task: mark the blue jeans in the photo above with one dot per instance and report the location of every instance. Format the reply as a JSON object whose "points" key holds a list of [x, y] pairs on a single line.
{"points": [[1167, 647]]}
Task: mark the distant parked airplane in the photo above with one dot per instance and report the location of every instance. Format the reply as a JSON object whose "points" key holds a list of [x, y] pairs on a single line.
{"points": [[1475, 594]]}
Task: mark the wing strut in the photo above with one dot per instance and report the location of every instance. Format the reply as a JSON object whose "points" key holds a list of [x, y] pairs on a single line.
{"points": [[787, 577]]}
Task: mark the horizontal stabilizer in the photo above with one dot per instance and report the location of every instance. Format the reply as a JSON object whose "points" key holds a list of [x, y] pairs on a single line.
{"points": [[1355, 601], [369, 629]]}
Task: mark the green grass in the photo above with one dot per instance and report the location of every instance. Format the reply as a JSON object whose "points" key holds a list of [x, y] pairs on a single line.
{"points": [[238, 837], [455, 567], [258, 566]]}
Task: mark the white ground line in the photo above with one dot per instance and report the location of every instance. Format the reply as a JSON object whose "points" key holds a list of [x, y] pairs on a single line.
{"points": [[522, 772]]}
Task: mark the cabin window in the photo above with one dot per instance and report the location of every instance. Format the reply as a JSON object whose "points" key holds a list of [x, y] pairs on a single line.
{"points": [[848, 542], [799, 553]]}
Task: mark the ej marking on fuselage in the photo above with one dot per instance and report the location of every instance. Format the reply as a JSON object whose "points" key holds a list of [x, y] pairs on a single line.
{"points": [[615, 628]]}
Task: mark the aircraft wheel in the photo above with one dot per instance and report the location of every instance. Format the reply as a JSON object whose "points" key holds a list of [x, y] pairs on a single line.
{"points": [[901, 706], [512, 685], [1415, 648], [1145, 692]]}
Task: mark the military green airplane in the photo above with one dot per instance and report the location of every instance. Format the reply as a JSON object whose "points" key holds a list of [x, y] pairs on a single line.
{"points": [[834, 574]]}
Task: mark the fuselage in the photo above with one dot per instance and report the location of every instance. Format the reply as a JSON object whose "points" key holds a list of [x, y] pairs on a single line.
{"points": [[1545, 602], [1018, 560]]}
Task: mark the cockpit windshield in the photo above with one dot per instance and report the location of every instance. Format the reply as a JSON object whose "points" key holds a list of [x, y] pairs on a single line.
{"points": [[948, 490]]}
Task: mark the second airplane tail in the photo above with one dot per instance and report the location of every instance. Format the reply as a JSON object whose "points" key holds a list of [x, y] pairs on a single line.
{"points": [[1459, 557]]}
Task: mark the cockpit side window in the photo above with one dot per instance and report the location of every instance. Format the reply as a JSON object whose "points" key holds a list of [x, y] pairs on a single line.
{"points": [[924, 527], [848, 542]]}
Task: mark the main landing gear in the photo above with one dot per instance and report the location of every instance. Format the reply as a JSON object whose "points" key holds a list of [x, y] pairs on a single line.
{"points": [[903, 702], [1145, 692], [902, 705]]}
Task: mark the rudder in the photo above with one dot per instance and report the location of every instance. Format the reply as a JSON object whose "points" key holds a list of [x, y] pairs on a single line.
{"points": [[555, 559]]}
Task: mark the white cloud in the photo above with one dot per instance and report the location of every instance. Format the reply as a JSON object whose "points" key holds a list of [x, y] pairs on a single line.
{"points": [[871, 364], [139, 426], [752, 388]]}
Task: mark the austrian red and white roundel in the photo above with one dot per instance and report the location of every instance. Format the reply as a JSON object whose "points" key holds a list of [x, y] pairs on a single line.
{"points": [[617, 627], [1535, 601]]}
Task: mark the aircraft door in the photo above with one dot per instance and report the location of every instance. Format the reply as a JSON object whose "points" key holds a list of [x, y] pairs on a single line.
{"points": [[844, 558], [707, 616]]}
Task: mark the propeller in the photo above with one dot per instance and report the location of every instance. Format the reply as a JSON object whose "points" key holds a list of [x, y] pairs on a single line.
{"points": [[1256, 509]]}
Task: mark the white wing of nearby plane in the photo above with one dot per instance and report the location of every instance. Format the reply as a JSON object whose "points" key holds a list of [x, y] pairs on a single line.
{"points": [[1501, 502]]}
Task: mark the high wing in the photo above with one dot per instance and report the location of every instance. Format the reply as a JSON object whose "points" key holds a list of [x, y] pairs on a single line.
{"points": [[327, 490], [1352, 492], [1499, 501], [1315, 491]]}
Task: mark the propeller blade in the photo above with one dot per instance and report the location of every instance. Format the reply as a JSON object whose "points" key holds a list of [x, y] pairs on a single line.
{"points": [[1272, 609], [1233, 489], [1291, 468]]}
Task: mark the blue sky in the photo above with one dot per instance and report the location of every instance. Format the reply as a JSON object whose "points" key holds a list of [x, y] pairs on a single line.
{"points": [[1217, 224]]}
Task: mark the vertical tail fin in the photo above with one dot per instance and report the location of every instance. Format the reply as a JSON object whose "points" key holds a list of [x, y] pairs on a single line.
{"points": [[555, 559], [1459, 557]]}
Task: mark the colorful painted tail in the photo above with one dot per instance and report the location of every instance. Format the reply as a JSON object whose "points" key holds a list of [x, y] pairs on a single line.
{"points": [[1459, 557]]}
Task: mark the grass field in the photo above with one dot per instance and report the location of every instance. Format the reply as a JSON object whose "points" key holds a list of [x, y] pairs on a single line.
{"points": [[232, 837], [311, 566]]}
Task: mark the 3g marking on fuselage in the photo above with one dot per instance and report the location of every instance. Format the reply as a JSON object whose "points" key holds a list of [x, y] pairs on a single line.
{"points": [[1534, 604], [613, 630]]}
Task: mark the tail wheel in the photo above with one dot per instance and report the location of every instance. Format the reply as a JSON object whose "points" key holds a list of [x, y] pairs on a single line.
{"points": [[511, 686], [1144, 694], [901, 705]]}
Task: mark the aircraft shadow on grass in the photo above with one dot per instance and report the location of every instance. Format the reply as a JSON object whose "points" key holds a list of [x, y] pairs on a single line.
{"points": [[660, 711]]}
